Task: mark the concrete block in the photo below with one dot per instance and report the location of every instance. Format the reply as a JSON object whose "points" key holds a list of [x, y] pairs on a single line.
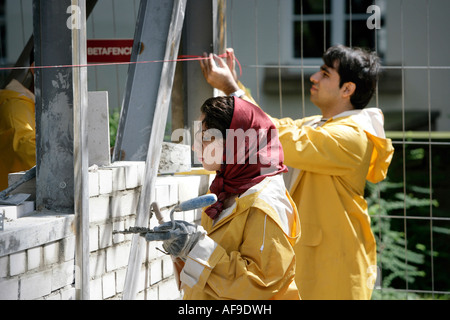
{"points": [[9, 289], [34, 258], [174, 158], [16, 212], [17, 263], [36, 285], [98, 128]]}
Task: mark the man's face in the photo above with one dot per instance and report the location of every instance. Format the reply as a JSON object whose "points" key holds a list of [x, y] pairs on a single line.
{"points": [[325, 91]]}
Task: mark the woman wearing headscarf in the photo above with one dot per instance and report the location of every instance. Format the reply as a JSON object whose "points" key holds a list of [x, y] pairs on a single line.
{"points": [[244, 246]]}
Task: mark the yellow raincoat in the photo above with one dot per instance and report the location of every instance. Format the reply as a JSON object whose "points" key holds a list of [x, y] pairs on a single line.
{"points": [[17, 131], [336, 255], [248, 252]]}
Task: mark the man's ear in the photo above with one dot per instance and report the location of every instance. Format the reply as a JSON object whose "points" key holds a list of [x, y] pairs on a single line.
{"points": [[348, 89]]}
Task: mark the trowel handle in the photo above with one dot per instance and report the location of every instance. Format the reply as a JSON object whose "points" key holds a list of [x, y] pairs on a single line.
{"points": [[199, 202]]}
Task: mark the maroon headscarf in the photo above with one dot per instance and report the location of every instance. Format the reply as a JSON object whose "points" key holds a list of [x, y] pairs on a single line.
{"points": [[246, 161]]}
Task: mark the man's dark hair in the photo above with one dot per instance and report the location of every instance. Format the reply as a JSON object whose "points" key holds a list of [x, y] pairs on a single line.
{"points": [[358, 66], [218, 113]]}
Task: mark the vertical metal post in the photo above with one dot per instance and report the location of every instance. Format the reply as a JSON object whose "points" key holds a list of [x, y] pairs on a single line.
{"points": [[61, 103], [80, 150], [207, 36], [175, 12], [54, 106], [139, 104]]}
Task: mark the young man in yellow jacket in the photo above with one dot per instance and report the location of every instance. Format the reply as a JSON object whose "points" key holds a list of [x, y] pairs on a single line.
{"points": [[333, 155]]}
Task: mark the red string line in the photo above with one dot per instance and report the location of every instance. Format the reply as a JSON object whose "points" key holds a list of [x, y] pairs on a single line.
{"points": [[179, 59]]}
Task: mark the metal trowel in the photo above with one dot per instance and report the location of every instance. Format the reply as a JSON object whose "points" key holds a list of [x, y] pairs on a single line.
{"points": [[19, 198]]}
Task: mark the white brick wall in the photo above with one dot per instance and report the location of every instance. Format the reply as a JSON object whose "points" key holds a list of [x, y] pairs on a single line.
{"points": [[43, 268]]}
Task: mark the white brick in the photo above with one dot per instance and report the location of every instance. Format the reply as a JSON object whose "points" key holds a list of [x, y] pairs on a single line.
{"points": [[162, 195], [118, 226], [118, 178], [68, 293], [63, 275], [168, 290], [120, 279], [36, 285], [16, 212], [154, 253], [9, 289], [93, 183], [93, 238], [188, 187], [4, 266], [124, 204], [105, 181], [105, 235], [143, 278], [167, 267], [97, 263], [189, 216], [51, 253], [95, 289], [34, 258], [54, 296], [17, 263], [99, 209], [67, 246], [148, 294], [117, 257], [155, 271], [131, 176], [109, 285]]}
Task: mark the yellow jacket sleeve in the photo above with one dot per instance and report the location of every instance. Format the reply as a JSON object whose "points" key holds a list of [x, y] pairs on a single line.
{"points": [[333, 149], [17, 135], [261, 268]]}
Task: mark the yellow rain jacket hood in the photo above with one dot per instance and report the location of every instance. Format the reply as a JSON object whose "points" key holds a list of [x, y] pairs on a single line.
{"points": [[17, 131], [336, 255], [248, 253]]}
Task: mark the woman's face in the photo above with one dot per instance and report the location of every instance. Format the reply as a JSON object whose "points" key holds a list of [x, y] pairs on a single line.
{"points": [[208, 146]]}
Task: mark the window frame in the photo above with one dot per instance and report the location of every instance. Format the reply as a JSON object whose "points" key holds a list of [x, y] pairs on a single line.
{"points": [[338, 18]]}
